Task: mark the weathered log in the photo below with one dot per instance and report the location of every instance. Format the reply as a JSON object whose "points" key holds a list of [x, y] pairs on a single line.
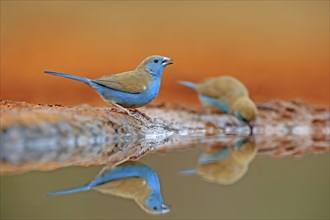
{"points": [[43, 137]]}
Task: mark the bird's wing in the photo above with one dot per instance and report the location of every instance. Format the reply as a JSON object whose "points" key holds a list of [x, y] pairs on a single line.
{"points": [[222, 87], [126, 188], [131, 82]]}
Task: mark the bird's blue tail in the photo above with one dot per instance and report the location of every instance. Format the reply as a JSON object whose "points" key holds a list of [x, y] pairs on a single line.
{"points": [[69, 191], [188, 84], [82, 79]]}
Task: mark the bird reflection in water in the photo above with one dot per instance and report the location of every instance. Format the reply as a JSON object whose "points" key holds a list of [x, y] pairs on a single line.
{"points": [[226, 165], [132, 180]]}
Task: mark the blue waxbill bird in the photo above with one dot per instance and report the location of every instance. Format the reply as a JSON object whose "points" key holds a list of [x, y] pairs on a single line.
{"points": [[132, 180], [226, 165], [225, 94], [130, 89]]}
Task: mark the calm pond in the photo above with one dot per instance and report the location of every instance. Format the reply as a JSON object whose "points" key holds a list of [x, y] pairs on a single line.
{"points": [[199, 182]]}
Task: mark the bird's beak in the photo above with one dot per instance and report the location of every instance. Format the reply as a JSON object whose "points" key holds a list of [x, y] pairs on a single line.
{"points": [[167, 61], [251, 125], [165, 209]]}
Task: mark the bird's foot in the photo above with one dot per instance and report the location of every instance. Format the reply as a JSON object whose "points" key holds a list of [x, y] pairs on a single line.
{"points": [[140, 116], [131, 114], [139, 113], [146, 120], [119, 109]]}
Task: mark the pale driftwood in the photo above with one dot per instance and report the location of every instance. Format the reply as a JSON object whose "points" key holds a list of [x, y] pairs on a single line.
{"points": [[44, 137]]}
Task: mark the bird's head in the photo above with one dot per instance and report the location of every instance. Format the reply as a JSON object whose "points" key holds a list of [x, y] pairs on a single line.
{"points": [[154, 204], [245, 109], [155, 65], [245, 151]]}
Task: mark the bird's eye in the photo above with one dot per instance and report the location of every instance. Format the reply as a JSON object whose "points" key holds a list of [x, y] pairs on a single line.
{"points": [[155, 61], [154, 208]]}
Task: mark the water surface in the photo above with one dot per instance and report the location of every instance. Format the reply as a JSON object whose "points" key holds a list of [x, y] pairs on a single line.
{"points": [[271, 188]]}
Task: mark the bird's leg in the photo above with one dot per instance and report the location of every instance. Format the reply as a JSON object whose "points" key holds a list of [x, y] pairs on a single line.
{"points": [[141, 113], [122, 109], [132, 112], [129, 112]]}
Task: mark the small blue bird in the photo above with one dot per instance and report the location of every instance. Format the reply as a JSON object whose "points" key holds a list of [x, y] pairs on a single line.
{"points": [[226, 94], [130, 89], [226, 165], [132, 180]]}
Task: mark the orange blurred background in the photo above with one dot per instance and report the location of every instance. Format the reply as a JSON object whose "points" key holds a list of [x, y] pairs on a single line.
{"points": [[278, 49]]}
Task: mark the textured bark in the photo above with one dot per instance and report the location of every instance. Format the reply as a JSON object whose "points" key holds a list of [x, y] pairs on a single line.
{"points": [[44, 137]]}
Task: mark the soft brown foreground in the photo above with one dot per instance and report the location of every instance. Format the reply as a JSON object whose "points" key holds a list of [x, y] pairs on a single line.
{"points": [[44, 137]]}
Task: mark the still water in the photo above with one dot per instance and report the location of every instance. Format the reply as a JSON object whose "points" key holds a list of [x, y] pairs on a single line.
{"points": [[217, 182]]}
